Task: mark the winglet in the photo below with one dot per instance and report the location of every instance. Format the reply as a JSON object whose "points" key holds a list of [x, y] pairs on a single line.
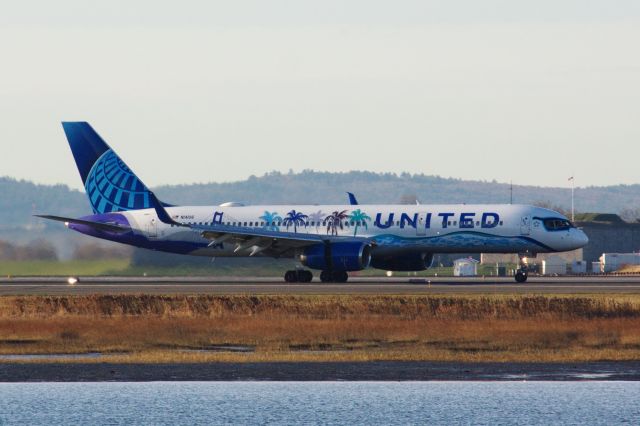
{"points": [[352, 199]]}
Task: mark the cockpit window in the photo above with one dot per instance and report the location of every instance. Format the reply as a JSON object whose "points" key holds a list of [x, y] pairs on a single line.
{"points": [[554, 224]]}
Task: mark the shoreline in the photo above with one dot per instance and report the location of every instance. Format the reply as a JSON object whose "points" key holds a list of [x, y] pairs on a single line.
{"points": [[321, 371]]}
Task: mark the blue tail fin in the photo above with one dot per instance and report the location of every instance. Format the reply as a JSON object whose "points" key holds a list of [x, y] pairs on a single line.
{"points": [[111, 186]]}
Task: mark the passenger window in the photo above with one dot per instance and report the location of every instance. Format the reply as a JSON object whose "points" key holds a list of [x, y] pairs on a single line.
{"points": [[455, 223]]}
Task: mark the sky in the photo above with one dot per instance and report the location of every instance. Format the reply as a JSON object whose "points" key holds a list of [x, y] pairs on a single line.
{"points": [[212, 91]]}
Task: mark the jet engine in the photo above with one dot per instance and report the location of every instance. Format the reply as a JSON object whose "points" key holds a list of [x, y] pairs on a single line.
{"points": [[405, 262], [341, 256]]}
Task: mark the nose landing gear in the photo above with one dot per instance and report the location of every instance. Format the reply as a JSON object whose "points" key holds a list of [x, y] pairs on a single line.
{"points": [[522, 273]]}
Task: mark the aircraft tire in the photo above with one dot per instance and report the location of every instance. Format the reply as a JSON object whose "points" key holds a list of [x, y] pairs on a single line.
{"points": [[521, 277], [334, 277], [291, 276], [340, 277], [305, 276]]}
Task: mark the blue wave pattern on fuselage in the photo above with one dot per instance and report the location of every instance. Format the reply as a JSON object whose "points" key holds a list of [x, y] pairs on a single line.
{"points": [[469, 239], [112, 187]]}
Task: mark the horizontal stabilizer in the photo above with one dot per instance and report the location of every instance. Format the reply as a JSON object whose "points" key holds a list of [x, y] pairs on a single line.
{"points": [[106, 227]]}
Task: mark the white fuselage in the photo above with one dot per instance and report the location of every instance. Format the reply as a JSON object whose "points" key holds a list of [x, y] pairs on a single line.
{"points": [[457, 228]]}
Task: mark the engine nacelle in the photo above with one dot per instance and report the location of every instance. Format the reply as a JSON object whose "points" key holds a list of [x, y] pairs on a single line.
{"points": [[406, 262], [347, 256]]}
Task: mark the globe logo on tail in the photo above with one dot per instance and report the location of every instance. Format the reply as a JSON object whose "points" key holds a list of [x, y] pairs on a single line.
{"points": [[112, 187]]}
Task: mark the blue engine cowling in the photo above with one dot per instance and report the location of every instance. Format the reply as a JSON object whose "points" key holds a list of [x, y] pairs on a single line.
{"points": [[405, 262], [347, 256]]}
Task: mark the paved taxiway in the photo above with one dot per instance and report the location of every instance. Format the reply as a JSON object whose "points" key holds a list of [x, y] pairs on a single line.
{"points": [[356, 285]]}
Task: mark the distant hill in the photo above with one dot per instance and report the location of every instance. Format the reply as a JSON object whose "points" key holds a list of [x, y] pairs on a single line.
{"points": [[309, 187], [19, 199]]}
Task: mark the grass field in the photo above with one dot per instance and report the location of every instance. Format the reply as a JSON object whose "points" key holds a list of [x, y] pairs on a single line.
{"points": [[71, 267], [123, 267], [147, 328]]}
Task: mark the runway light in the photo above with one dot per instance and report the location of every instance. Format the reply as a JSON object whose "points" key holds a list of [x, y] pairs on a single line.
{"points": [[389, 273], [72, 280]]}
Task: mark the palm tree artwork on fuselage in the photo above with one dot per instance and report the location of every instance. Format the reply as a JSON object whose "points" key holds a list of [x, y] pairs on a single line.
{"points": [[294, 218], [359, 217], [317, 218], [334, 221], [271, 220]]}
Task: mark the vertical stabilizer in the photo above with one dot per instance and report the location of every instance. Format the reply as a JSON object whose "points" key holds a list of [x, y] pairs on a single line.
{"points": [[111, 186]]}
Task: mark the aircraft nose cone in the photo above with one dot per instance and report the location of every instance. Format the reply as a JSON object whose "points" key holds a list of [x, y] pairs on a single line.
{"points": [[581, 238]]}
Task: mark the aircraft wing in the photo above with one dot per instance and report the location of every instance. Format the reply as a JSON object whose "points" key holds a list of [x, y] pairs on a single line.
{"points": [[276, 242], [107, 227], [258, 240]]}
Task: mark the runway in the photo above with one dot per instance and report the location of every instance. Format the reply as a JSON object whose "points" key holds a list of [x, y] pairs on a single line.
{"points": [[356, 285]]}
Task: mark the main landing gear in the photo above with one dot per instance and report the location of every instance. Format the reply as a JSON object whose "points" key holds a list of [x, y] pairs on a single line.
{"points": [[522, 273], [298, 276], [304, 276], [334, 276]]}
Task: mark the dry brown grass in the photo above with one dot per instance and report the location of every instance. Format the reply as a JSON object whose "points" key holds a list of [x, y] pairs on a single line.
{"points": [[629, 269], [147, 328]]}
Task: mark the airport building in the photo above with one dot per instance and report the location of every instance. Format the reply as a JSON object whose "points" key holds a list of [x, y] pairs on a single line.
{"points": [[465, 267], [607, 233]]}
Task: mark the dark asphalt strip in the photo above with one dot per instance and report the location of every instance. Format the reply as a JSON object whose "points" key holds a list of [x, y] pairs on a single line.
{"points": [[319, 371]]}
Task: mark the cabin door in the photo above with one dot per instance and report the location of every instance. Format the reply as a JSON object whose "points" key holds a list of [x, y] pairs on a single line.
{"points": [[421, 225], [525, 225], [152, 228]]}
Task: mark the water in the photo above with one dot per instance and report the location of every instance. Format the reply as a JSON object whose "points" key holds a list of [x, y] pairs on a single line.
{"points": [[52, 357], [320, 403]]}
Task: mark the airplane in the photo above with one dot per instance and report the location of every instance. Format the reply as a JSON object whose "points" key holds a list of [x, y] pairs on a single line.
{"points": [[334, 239]]}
